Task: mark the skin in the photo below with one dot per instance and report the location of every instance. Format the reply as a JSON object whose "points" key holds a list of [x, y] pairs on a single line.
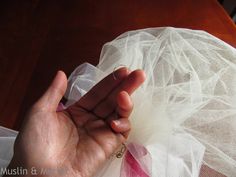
{"points": [[81, 138], [76, 142]]}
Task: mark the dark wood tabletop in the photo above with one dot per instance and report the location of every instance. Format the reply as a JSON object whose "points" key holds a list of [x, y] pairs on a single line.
{"points": [[39, 37]]}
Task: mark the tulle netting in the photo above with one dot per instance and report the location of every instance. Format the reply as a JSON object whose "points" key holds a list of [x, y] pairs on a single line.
{"points": [[185, 112]]}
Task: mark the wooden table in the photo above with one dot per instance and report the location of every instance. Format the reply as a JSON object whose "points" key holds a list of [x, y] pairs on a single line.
{"points": [[39, 37]]}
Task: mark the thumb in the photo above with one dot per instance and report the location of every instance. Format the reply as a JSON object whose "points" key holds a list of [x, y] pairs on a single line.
{"points": [[51, 98]]}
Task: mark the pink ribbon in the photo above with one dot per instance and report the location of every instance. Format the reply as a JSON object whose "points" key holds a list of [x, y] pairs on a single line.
{"points": [[136, 162]]}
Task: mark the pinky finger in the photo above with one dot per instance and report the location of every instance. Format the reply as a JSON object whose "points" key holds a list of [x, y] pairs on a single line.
{"points": [[121, 125]]}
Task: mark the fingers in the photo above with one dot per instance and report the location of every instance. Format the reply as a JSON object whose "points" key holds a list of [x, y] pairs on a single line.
{"points": [[102, 89], [51, 98], [124, 108], [129, 85], [135, 79], [121, 126], [124, 104]]}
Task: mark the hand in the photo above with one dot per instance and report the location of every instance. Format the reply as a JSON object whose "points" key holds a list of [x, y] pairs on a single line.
{"points": [[81, 138]]}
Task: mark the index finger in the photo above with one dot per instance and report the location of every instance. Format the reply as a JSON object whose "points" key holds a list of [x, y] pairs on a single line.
{"points": [[129, 85], [102, 89]]}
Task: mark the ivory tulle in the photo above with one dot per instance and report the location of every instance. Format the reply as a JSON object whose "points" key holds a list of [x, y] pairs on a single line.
{"points": [[184, 114], [7, 139]]}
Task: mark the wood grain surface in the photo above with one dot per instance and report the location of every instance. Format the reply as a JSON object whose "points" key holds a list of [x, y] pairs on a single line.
{"points": [[39, 37]]}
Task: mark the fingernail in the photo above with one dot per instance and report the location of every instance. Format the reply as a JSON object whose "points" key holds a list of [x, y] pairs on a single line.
{"points": [[116, 122], [120, 73]]}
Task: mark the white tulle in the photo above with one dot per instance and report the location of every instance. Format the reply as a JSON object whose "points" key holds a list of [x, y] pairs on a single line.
{"points": [[185, 112], [7, 139]]}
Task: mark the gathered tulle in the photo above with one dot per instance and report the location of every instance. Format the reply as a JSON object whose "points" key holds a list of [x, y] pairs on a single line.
{"points": [[185, 112], [137, 162]]}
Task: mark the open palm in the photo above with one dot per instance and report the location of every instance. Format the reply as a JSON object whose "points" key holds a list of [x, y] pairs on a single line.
{"points": [[78, 140]]}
